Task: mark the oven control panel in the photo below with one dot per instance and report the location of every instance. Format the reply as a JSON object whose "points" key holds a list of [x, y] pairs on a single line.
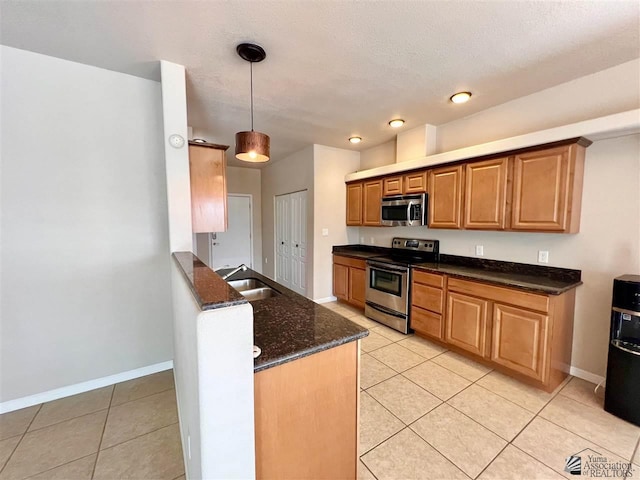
{"points": [[416, 244]]}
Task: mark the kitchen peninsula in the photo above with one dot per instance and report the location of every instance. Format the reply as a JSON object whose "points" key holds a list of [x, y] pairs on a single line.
{"points": [[306, 378]]}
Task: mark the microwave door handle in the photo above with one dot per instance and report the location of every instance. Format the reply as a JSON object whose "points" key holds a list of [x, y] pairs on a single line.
{"points": [[409, 220]]}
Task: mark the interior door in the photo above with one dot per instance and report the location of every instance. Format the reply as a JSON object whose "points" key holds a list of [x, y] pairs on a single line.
{"points": [[234, 247], [299, 242], [283, 240]]}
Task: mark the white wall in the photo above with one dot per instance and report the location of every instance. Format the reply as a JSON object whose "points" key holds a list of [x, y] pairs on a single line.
{"points": [[383, 154], [330, 165], [85, 287], [291, 174], [608, 244], [248, 181], [603, 93]]}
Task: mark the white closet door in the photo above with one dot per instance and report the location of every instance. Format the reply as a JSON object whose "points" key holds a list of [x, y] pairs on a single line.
{"points": [[299, 241], [283, 240]]}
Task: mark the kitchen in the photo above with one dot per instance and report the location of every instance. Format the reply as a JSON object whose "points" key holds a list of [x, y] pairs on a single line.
{"points": [[598, 254]]}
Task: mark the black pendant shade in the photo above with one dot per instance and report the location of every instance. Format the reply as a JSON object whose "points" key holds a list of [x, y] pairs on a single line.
{"points": [[252, 146]]}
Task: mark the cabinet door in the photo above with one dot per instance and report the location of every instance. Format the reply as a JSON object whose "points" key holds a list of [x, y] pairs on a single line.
{"points": [[340, 281], [485, 195], [208, 189], [298, 243], [392, 186], [372, 195], [427, 323], [541, 190], [354, 204], [520, 340], [445, 197], [283, 240], [356, 286], [467, 323], [415, 182]]}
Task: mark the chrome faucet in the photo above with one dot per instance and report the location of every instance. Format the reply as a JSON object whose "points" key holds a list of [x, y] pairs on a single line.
{"points": [[242, 267]]}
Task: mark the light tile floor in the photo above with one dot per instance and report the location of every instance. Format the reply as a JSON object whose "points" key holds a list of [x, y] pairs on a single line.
{"points": [[428, 413], [425, 413], [129, 430]]}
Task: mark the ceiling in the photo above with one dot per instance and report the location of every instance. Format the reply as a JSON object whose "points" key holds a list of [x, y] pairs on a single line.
{"points": [[334, 68]]}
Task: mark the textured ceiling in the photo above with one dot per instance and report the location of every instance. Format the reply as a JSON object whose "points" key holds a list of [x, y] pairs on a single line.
{"points": [[335, 68]]}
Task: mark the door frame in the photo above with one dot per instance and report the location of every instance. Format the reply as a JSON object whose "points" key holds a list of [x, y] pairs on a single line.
{"points": [[211, 249]]}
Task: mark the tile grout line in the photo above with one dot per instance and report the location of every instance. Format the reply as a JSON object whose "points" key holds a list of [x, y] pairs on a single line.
{"points": [[104, 427], [139, 436], [95, 411], [21, 438], [58, 466]]}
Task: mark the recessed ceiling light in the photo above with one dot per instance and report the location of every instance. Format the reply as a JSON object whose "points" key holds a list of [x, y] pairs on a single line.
{"points": [[460, 97], [355, 139], [396, 123]]}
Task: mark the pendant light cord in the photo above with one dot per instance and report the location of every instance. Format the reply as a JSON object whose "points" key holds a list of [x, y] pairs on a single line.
{"points": [[251, 64]]}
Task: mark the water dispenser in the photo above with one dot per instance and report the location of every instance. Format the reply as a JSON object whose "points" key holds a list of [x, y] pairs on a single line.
{"points": [[622, 392]]}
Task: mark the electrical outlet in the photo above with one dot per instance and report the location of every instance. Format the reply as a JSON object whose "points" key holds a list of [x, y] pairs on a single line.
{"points": [[373, 240], [266, 260], [479, 250], [325, 232], [362, 240], [543, 256]]}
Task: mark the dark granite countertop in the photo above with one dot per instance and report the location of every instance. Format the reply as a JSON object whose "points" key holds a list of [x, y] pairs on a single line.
{"points": [[364, 251], [533, 278], [208, 288], [289, 326]]}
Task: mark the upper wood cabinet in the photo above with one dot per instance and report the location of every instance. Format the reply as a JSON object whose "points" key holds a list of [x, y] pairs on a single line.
{"points": [[485, 194], [207, 172], [371, 202], [445, 197], [354, 203], [415, 182], [547, 189], [392, 186]]}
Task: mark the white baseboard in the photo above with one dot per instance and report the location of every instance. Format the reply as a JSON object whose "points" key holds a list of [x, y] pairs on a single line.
{"points": [[584, 375], [24, 402], [326, 300]]}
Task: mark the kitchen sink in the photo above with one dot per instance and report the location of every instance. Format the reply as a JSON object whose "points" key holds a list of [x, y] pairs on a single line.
{"points": [[259, 293], [247, 284], [253, 289]]}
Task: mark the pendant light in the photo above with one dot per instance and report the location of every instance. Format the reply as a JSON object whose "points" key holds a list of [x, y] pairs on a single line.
{"points": [[252, 146]]}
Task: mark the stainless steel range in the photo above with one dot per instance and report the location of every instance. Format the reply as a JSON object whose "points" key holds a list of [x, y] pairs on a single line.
{"points": [[387, 289]]}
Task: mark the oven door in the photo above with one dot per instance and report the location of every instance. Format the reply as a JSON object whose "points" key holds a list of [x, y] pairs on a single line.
{"points": [[387, 286]]}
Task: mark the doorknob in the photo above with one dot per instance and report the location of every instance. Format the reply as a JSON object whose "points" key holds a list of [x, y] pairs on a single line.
{"points": [[216, 243], [296, 245], [282, 243]]}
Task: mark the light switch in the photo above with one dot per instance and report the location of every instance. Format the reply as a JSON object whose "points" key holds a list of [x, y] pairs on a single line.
{"points": [[479, 250], [325, 232], [543, 256]]}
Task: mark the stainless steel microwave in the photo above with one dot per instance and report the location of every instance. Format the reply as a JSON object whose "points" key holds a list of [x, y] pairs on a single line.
{"points": [[403, 210]]}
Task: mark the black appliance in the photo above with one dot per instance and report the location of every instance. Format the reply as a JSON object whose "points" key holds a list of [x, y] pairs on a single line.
{"points": [[404, 210], [387, 281], [622, 392]]}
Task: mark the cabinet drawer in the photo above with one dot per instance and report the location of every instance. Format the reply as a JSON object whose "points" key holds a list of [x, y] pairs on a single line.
{"points": [[427, 323], [509, 296], [415, 182], [427, 297], [349, 262], [391, 186], [433, 279]]}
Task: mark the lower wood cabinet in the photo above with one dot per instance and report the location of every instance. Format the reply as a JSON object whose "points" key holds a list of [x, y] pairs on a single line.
{"points": [[520, 340], [467, 323], [349, 279], [306, 416], [427, 304], [528, 335]]}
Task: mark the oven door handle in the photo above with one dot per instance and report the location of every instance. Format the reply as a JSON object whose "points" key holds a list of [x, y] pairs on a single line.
{"points": [[385, 310], [387, 268]]}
